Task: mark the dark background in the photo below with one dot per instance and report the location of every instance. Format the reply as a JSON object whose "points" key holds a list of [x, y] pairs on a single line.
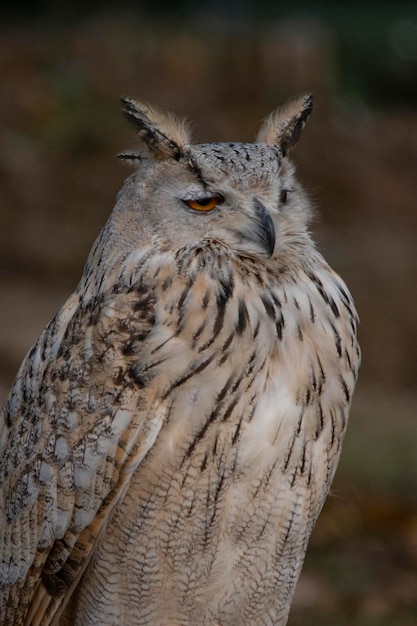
{"points": [[225, 66]]}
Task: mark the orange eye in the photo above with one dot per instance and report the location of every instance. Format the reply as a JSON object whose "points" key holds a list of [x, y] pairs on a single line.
{"points": [[204, 204]]}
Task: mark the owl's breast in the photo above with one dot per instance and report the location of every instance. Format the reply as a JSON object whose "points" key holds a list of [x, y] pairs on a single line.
{"points": [[254, 376]]}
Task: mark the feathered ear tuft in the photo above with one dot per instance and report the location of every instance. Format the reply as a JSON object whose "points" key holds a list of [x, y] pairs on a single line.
{"points": [[283, 127], [164, 135]]}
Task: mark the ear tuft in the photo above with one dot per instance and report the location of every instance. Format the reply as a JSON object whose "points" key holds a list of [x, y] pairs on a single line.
{"points": [[164, 135], [283, 127], [131, 158]]}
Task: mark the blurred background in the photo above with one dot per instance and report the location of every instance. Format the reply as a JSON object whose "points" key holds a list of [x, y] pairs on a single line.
{"points": [[225, 66]]}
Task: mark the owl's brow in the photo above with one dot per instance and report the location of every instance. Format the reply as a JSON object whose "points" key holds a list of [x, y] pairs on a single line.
{"points": [[194, 168]]}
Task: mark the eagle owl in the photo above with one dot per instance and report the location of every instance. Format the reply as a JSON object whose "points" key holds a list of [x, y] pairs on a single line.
{"points": [[170, 439]]}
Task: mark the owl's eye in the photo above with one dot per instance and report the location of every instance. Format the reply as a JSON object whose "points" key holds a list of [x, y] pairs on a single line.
{"points": [[283, 196], [203, 204]]}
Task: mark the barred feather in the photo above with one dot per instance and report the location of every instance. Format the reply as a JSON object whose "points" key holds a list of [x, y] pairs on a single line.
{"points": [[170, 439]]}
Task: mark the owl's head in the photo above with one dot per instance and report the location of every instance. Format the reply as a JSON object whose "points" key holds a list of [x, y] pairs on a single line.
{"points": [[243, 195]]}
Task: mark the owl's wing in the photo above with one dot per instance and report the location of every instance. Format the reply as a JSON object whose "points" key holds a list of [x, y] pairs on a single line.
{"points": [[83, 412]]}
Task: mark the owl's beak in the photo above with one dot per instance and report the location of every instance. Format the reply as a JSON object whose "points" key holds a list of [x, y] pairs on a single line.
{"points": [[263, 229]]}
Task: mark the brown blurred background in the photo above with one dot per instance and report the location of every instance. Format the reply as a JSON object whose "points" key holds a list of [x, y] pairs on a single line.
{"points": [[226, 66]]}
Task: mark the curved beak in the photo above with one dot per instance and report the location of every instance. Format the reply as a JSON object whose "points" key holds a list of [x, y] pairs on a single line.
{"points": [[263, 229]]}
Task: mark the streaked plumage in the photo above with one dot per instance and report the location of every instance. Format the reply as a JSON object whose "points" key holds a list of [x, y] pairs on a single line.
{"points": [[170, 439]]}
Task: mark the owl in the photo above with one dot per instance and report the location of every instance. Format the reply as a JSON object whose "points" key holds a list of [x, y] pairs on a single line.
{"points": [[171, 437]]}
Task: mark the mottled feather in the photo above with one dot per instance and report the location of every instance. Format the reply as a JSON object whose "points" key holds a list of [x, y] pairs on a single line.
{"points": [[170, 439]]}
